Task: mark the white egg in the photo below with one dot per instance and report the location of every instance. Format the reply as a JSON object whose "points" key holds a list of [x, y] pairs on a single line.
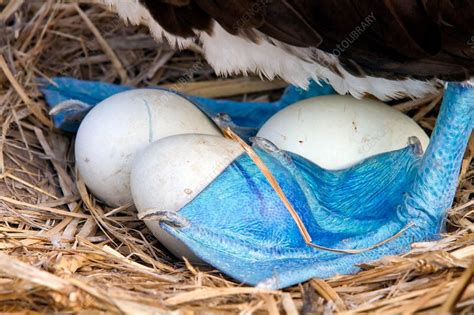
{"points": [[172, 171], [336, 132], [123, 124]]}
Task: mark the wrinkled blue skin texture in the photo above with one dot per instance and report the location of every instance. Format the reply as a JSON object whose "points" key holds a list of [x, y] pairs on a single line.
{"points": [[239, 225]]}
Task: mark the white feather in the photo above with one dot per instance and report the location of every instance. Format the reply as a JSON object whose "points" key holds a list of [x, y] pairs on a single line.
{"points": [[229, 54]]}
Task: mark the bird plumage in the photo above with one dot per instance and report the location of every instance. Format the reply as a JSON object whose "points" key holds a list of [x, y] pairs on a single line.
{"points": [[390, 48]]}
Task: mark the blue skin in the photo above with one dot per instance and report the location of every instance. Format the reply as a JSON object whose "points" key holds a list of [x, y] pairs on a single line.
{"points": [[251, 236], [355, 208], [260, 242]]}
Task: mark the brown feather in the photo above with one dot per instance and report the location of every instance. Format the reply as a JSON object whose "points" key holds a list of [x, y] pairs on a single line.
{"points": [[408, 38], [179, 17]]}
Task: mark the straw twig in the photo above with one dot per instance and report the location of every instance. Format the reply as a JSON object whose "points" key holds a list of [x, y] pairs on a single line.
{"points": [[63, 251]]}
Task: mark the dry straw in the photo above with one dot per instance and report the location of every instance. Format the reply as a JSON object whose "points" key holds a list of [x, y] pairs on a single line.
{"points": [[62, 251]]}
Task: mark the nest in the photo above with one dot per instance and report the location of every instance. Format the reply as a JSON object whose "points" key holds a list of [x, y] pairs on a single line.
{"points": [[62, 251]]}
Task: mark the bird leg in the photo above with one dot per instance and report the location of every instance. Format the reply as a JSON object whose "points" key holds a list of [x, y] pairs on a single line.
{"points": [[434, 187]]}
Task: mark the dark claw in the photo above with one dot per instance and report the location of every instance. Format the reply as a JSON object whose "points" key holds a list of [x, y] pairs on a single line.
{"points": [[264, 144], [167, 217], [415, 143]]}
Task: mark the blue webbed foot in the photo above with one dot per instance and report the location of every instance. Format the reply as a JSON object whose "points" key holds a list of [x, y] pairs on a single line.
{"points": [[383, 205], [70, 100], [260, 243]]}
